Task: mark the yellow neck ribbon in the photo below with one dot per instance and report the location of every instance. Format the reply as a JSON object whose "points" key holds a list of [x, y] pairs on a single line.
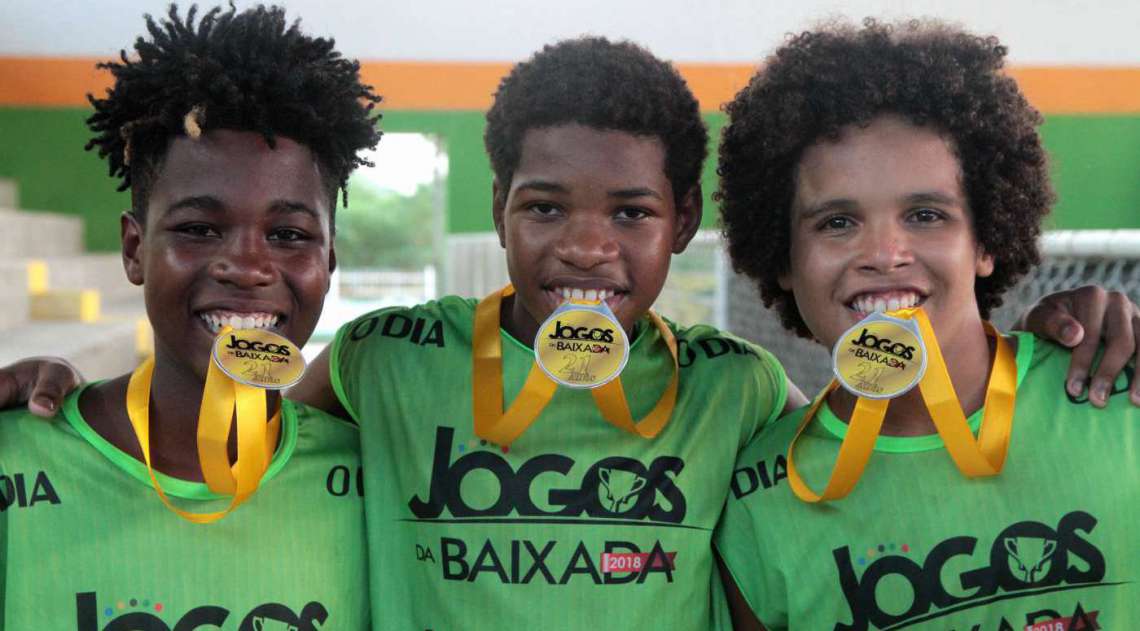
{"points": [[256, 439], [492, 424], [974, 458]]}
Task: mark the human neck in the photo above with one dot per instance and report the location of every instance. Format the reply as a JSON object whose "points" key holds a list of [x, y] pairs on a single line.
{"points": [[175, 399], [968, 361]]}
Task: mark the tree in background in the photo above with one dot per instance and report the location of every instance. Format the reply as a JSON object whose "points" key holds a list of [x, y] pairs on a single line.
{"points": [[383, 229]]}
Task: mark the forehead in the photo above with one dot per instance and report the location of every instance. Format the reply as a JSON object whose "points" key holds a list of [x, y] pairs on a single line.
{"points": [[241, 170], [586, 156], [889, 159]]}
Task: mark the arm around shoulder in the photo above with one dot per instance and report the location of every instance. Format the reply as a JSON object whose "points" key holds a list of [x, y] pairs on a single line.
{"points": [[316, 388]]}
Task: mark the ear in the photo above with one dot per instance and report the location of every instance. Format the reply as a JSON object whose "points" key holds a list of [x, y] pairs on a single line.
{"points": [[498, 207], [689, 213], [131, 233], [984, 263], [332, 258]]}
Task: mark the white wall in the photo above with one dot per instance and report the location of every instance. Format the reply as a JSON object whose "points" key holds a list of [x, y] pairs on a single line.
{"points": [[1038, 32]]}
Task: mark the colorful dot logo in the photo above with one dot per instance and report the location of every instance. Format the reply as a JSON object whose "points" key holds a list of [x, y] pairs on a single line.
{"points": [[476, 443], [132, 602], [880, 549]]}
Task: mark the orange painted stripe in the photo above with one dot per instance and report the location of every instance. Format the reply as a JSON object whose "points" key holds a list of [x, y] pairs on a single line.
{"points": [[49, 82]]}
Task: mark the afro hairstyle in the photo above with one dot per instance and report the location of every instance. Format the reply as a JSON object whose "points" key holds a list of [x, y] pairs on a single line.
{"points": [[930, 74], [592, 81], [247, 71]]}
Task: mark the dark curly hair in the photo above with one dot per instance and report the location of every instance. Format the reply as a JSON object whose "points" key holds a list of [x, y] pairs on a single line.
{"points": [[249, 71], [928, 73], [602, 84]]}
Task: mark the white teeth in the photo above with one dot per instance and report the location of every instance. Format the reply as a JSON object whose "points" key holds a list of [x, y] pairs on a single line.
{"points": [[217, 320], [577, 294], [872, 304], [591, 294], [566, 293], [603, 294]]}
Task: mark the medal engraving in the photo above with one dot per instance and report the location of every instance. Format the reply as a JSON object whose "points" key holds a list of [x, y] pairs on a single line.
{"points": [[881, 357], [581, 345], [259, 358]]}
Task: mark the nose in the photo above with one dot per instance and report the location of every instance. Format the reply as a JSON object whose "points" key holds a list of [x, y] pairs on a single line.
{"points": [[586, 242], [884, 247], [244, 261]]}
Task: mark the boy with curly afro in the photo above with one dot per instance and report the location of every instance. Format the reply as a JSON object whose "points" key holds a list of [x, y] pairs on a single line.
{"points": [[234, 132], [892, 167]]}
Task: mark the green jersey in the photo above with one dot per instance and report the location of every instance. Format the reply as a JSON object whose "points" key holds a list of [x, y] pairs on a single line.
{"points": [[577, 524], [86, 545], [1047, 545]]}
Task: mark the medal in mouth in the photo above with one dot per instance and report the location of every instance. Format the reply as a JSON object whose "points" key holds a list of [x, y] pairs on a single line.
{"points": [[582, 344]]}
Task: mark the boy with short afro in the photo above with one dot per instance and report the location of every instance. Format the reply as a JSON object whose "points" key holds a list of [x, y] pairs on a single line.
{"points": [[234, 132], [885, 168], [597, 149]]}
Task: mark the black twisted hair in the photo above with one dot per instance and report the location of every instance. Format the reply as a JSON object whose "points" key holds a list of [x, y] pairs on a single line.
{"points": [[607, 85], [928, 73], [248, 71]]}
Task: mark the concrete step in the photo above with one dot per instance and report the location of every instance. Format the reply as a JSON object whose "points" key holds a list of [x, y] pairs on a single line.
{"points": [[39, 234], [100, 351], [101, 272], [13, 294]]}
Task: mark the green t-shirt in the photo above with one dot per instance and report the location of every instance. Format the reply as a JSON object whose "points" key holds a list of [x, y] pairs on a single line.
{"points": [[578, 524], [1050, 544], [86, 545]]}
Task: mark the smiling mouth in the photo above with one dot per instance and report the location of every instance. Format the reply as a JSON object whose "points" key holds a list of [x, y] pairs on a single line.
{"points": [[878, 302], [612, 297], [217, 319]]}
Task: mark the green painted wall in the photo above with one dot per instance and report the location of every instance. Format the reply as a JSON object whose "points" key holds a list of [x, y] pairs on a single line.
{"points": [[1096, 168]]}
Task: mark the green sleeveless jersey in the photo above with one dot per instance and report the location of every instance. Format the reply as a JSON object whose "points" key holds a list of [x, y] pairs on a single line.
{"points": [[577, 524], [86, 544], [1050, 544]]}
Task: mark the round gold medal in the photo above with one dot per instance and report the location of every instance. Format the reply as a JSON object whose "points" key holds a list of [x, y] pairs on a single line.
{"points": [[881, 357], [259, 358], [581, 345]]}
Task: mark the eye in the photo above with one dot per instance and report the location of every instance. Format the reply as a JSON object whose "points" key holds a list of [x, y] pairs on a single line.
{"points": [[199, 230], [631, 214], [288, 234], [835, 223], [926, 215], [544, 209]]}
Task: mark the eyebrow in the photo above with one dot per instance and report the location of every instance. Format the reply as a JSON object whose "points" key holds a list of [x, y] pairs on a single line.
{"points": [[633, 193], [211, 204], [541, 186], [933, 197], [546, 186]]}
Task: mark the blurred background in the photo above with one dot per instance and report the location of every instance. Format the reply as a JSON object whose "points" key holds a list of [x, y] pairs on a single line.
{"points": [[419, 225]]}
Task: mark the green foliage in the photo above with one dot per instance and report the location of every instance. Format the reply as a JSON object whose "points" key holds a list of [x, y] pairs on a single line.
{"points": [[382, 228]]}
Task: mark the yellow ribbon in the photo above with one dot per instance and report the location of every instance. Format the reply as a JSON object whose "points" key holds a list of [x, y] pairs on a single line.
{"points": [[974, 458], [502, 428], [256, 442]]}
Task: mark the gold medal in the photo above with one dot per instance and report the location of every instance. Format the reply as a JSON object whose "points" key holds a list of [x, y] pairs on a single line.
{"points": [[891, 344], [502, 426], [243, 366], [259, 358], [581, 345], [881, 357]]}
